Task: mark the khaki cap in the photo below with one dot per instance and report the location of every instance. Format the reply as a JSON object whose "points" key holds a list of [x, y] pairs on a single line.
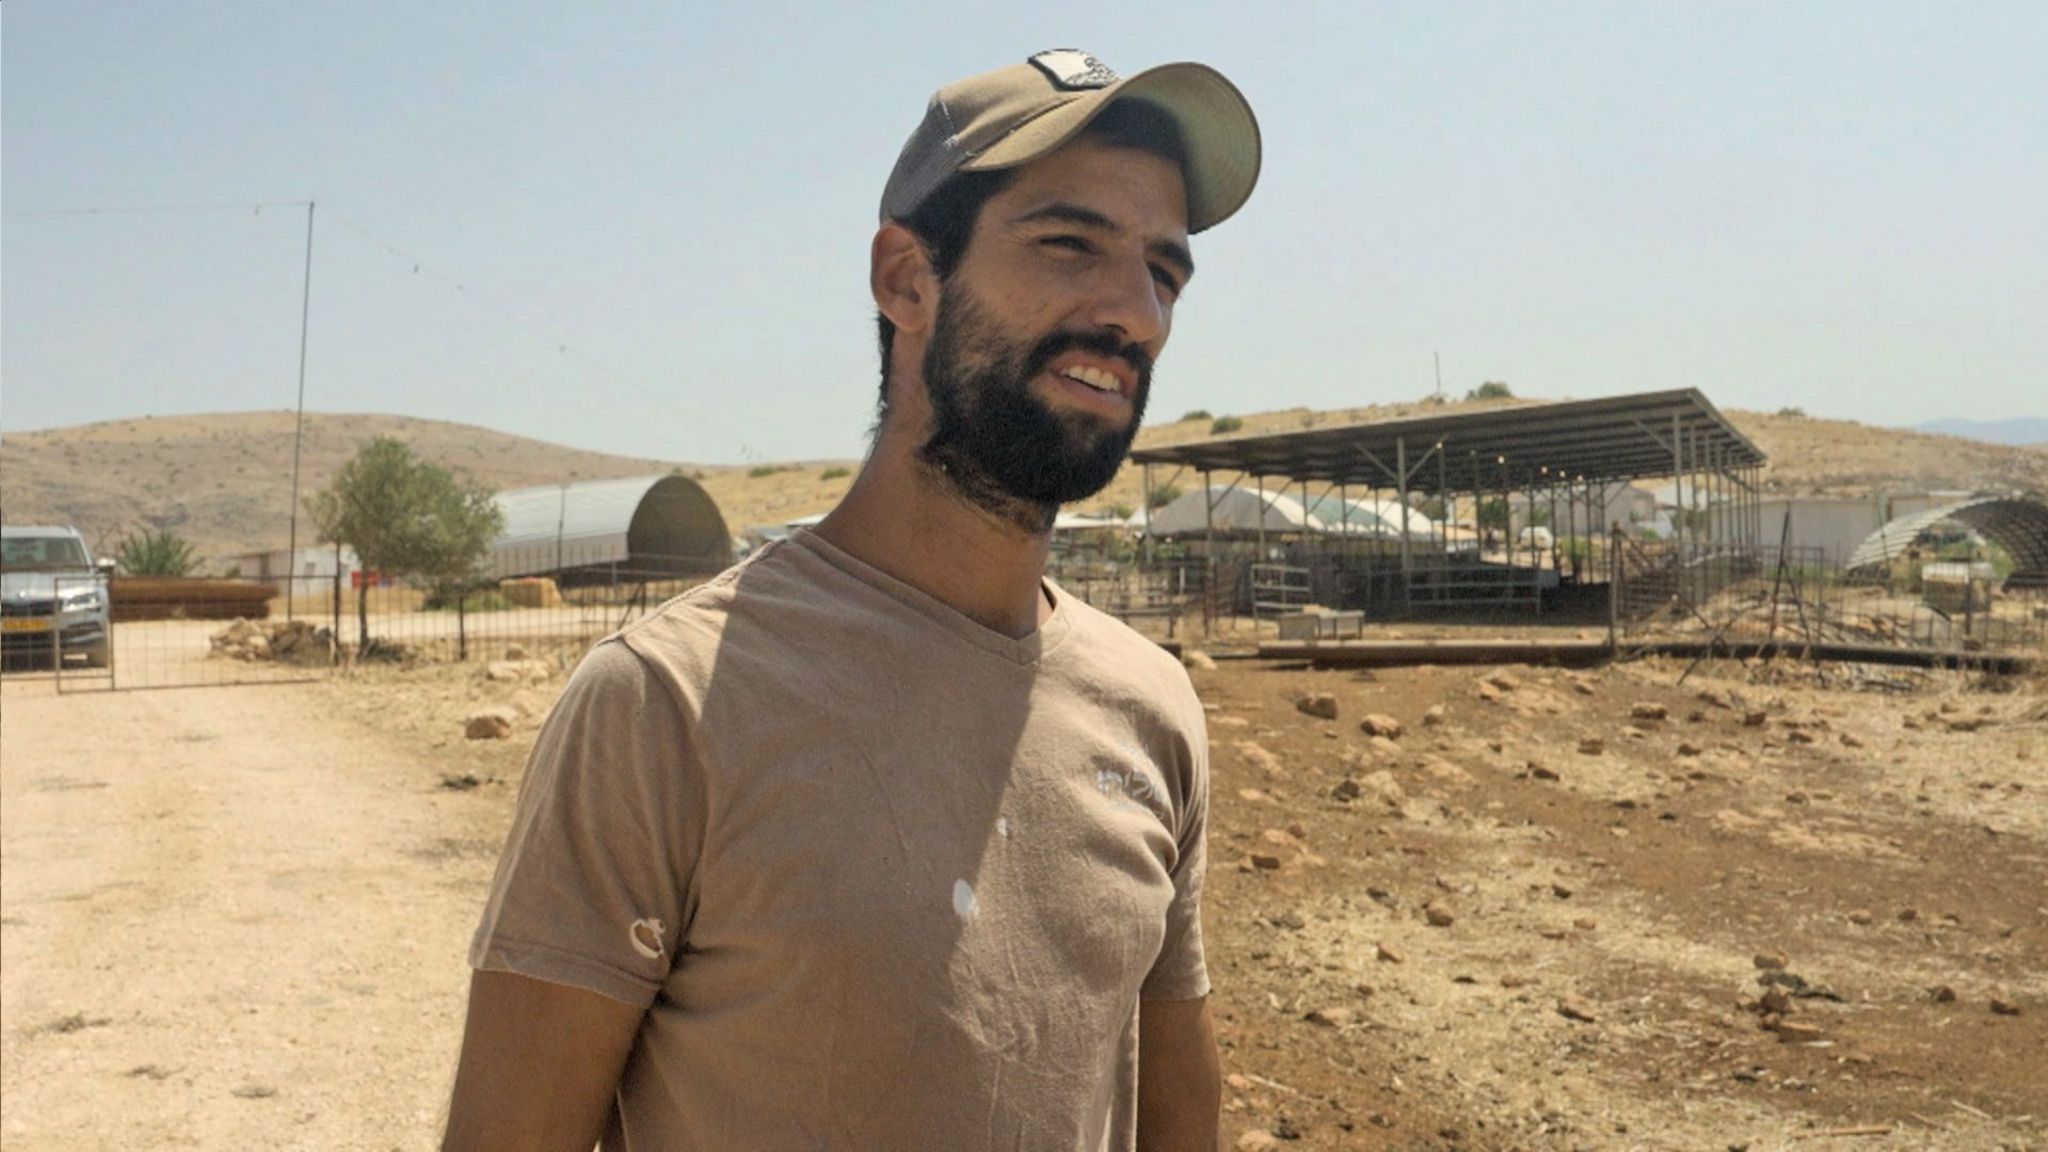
{"points": [[1014, 115]]}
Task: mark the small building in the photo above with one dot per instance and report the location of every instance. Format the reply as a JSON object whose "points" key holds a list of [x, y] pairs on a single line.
{"points": [[316, 564]]}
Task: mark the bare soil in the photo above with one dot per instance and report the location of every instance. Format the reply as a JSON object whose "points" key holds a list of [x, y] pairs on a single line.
{"points": [[237, 917]]}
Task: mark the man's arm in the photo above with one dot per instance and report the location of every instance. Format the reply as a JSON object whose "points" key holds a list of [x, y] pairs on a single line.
{"points": [[540, 1063], [1180, 1081]]}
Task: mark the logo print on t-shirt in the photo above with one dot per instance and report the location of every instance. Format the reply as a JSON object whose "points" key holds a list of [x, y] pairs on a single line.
{"points": [[646, 935]]}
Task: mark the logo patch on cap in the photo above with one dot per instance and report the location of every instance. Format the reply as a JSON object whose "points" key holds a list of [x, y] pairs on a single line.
{"points": [[1074, 69]]}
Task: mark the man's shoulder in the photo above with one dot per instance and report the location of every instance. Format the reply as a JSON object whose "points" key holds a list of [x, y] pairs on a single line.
{"points": [[1118, 645]]}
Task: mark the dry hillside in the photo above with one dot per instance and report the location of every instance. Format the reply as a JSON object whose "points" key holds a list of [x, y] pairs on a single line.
{"points": [[223, 481]]}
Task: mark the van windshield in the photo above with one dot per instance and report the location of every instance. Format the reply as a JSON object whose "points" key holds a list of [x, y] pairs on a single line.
{"points": [[42, 552]]}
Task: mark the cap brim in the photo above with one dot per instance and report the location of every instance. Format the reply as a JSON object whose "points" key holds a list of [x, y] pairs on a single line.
{"points": [[1216, 121]]}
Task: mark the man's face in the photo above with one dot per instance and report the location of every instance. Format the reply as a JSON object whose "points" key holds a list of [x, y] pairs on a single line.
{"points": [[1040, 359]]}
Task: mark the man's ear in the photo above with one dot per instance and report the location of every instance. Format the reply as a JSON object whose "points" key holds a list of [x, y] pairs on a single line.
{"points": [[901, 276]]}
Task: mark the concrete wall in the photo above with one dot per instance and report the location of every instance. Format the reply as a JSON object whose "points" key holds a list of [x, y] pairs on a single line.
{"points": [[1833, 525]]}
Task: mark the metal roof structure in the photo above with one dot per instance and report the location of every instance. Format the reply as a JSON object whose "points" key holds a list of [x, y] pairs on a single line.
{"points": [[641, 524], [2017, 525], [1517, 446]]}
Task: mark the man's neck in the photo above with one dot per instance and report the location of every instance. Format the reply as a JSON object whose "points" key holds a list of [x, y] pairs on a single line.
{"points": [[907, 522]]}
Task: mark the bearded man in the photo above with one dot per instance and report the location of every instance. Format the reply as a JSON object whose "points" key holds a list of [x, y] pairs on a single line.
{"points": [[880, 840]]}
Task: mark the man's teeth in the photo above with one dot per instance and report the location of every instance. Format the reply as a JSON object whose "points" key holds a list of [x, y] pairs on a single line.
{"points": [[1095, 378]]}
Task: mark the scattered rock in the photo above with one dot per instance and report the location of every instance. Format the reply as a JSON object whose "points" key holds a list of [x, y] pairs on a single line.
{"points": [[1488, 691], [1438, 916], [1346, 790], [517, 671], [489, 724], [1560, 891], [1689, 750], [1382, 725], [255, 1091], [1585, 924], [1331, 1017], [1644, 710], [1849, 741], [1389, 955], [1542, 773], [1257, 1140], [1576, 1008], [1321, 705], [1942, 994], [1265, 861], [1755, 719], [1771, 961], [2004, 1007], [1434, 715], [1860, 917], [1258, 756], [460, 783], [1199, 660], [1592, 746], [1797, 1032], [1502, 679], [1775, 1002], [1384, 788]]}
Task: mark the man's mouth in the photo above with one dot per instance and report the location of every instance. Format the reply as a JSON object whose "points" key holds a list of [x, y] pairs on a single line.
{"points": [[1094, 378]]}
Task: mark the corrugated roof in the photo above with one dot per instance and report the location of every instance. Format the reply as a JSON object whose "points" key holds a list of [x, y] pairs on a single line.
{"points": [[2016, 525], [578, 511], [1518, 446]]}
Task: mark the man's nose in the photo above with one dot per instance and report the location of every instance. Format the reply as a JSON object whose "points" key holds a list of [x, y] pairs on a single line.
{"points": [[1127, 299]]}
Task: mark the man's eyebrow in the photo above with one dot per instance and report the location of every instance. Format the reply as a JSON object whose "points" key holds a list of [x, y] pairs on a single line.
{"points": [[1067, 213]]}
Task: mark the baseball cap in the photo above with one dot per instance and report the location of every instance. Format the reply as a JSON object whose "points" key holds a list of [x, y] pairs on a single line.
{"points": [[1016, 114]]}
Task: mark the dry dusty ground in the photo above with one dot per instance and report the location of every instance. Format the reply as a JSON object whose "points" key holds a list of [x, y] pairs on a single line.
{"points": [[236, 917]]}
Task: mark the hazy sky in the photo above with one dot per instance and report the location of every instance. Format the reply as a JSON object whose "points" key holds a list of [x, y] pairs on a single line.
{"points": [[1833, 206]]}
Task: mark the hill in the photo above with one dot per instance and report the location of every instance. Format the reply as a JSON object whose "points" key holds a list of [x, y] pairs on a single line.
{"points": [[2021, 430], [224, 481]]}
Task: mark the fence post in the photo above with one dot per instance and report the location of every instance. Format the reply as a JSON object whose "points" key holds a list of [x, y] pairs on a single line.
{"points": [[462, 624], [1613, 590]]}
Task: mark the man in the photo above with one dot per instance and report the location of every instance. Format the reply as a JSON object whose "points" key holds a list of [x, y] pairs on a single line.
{"points": [[878, 840]]}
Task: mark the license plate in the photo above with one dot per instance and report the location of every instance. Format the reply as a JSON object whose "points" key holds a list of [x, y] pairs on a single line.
{"points": [[25, 624]]}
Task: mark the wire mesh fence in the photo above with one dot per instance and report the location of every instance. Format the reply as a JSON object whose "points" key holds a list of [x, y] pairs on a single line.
{"points": [[178, 633], [1798, 596]]}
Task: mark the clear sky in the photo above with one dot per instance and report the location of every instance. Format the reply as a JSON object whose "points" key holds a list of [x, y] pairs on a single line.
{"points": [[1831, 206]]}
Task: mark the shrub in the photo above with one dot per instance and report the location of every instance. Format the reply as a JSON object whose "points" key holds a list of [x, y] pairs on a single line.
{"points": [[1794, 413], [1491, 390], [159, 552], [1225, 425], [1196, 414], [1164, 494], [760, 470], [835, 474]]}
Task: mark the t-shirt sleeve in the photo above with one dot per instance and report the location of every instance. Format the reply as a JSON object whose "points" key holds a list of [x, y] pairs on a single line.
{"points": [[593, 888], [1181, 972]]}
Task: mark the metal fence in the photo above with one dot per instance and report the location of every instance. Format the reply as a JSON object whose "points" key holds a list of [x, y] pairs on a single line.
{"points": [[1797, 596], [205, 632]]}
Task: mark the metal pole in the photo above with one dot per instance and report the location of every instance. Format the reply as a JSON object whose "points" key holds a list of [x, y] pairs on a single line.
{"points": [[1407, 560], [299, 424]]}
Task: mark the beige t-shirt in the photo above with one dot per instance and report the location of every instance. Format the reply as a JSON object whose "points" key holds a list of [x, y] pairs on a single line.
{"points": [[883, 878]]}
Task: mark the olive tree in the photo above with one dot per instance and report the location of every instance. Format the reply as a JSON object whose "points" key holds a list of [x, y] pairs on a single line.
{"points": [[405, 517]]}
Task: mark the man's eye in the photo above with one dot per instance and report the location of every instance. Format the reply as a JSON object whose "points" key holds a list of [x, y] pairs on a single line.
{"points": [[1166, 280], [1070, 243]]}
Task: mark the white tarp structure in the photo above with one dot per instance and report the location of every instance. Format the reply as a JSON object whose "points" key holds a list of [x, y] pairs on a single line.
{"points": [[1236, 510], [1372, 516], [642, 524]]}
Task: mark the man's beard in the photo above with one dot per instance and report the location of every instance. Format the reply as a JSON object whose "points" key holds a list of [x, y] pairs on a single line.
{"points": [[1001, 448]]}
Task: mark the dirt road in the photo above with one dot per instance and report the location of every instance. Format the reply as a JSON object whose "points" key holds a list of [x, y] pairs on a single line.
{"points": [[233, 918]]}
